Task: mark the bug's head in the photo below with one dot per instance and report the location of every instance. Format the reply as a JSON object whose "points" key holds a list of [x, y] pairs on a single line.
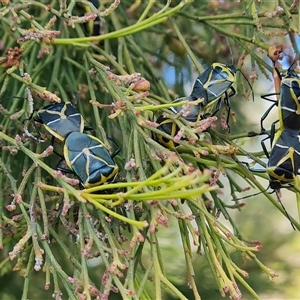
{"points": [[275, 184], [292, 73], [292, 81], [232, 69]]}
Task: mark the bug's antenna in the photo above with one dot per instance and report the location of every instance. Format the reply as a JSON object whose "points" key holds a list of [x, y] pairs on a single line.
{"points": [[291, 65], [9, 97], [278, 195], [229, 47], [231, 54], [248, 83], [249, 196]]}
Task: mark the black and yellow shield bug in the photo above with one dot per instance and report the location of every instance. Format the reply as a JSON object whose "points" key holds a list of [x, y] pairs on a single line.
{"points": [[89, 159], [288, 104], [211, 87], [60, 119], [170, 127], [214, 82], [283, 164], [284, 159]]}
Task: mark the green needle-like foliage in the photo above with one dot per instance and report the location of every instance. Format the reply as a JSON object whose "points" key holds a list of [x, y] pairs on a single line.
{"points": [[109, 60]]}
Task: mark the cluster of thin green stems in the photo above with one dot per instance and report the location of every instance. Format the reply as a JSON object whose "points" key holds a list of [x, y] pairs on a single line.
{"points": [[156, 191]]}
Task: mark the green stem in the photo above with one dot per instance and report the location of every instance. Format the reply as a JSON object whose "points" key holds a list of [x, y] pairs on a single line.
{"points": [[139, 26]]}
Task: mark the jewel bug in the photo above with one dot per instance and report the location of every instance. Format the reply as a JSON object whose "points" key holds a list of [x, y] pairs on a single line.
{"points": [[284, 159], [170, 127], [288, 104], [283, 164], [214, 82], [60, 119], [212, 86], [89, 159]]}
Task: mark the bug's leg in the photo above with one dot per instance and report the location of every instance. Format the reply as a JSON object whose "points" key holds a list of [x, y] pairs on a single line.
{"points": [[67, 171], [262, 142], [37, 139], [232, 92], [64, 170], [205, 99], [277, 78], [248, 83], [117, 151], [262, 119], [264, 116], [273, 131], [218, 106], [54, 151], [29, 118], [278, 195], [266, 97], [88, 128], [227, 103]]}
